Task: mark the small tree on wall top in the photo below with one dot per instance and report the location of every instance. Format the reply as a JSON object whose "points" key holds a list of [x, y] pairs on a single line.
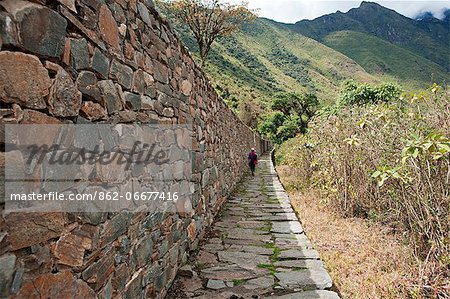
{"points": [[209, 19]]}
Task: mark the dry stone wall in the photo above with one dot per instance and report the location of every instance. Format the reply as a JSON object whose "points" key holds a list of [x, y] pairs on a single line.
{"points": [[111, 61]]}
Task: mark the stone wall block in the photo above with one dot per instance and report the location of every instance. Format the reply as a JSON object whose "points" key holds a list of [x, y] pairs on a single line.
{"points": [[133, 288], [120, 277], [123, 74], [70, 4], [8, 30], [98, 273], [40, 228], [109, 30], [100, 64], [114, 228], [69, 250], [40, 29], [23, 80], [79, 53], [143, 251], [65, 98], [7, 263], [140, 80], [36, 117], [133, 101], [59, 285], [129, 51], [87, 84], [94, 4], [110, 96], [161, 72], [144, 13], [93, 111], [89, 33]]}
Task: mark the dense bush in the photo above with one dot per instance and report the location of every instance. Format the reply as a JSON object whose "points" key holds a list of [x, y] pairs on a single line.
{"points": [[270, 124], [388, 162], [361, 94], [290, 115]]}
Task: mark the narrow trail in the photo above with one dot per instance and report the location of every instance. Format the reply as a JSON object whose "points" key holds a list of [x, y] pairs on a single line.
{"points": [[257, 249]]}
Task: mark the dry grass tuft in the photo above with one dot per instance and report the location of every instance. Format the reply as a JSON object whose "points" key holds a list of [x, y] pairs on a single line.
{"points": [[365, 259]]}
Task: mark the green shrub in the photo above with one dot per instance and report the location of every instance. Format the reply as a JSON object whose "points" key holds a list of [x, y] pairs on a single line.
{"points": [[269, 125], [290, 115], [361, 94]]}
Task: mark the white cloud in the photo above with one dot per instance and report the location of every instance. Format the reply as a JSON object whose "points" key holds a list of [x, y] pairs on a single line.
{"points": [[291, 11]]}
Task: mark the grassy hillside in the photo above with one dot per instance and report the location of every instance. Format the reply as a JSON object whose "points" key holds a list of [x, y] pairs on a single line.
{"points": [[386, 60], [368, 44], [264, 59]]}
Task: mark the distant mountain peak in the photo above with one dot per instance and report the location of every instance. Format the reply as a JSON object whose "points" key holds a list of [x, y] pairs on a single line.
{"points": [[430, 16], [427, 37], [447, 16], [425, 16], [369, 4]]}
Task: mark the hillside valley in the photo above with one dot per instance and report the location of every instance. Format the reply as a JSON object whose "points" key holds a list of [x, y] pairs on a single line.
{"points": [[369, 44]]}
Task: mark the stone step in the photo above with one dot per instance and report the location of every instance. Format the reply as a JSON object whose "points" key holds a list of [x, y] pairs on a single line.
{"points": [[314, 278], [316, 294]]}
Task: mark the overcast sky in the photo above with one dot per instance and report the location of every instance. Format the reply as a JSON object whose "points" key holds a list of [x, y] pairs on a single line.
{"points": [[291, 11]]}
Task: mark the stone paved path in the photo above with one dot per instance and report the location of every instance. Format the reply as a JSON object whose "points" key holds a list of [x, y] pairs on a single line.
{"points": [[258, 249]]}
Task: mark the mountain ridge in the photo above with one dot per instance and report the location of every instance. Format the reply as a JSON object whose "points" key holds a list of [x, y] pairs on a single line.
{"points": [[267, 57], [428, 39]]}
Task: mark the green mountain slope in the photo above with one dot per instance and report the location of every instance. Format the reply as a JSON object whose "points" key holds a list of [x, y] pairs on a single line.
{"points": [[422, 37], [368, 44], [386, 60]]}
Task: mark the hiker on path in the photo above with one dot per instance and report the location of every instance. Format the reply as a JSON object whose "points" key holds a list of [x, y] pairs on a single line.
{"points": [[252, 161]]}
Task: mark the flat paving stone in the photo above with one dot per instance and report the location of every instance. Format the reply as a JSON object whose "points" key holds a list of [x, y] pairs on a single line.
{"points": [[307, 264], [292, 254], [232, 272], [277, 217], [291, 236], [310, 278], [191, 284], [251, 224], [278, 210], [245, 242], [213, 247], [235, 209], [293, 243], [215, 284], [250, 237], [246, 231], [246, 260], [207, 258], [272, 206], [235, 213], [287, 227], [316, 294], [252, 249], [259, 283]]}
